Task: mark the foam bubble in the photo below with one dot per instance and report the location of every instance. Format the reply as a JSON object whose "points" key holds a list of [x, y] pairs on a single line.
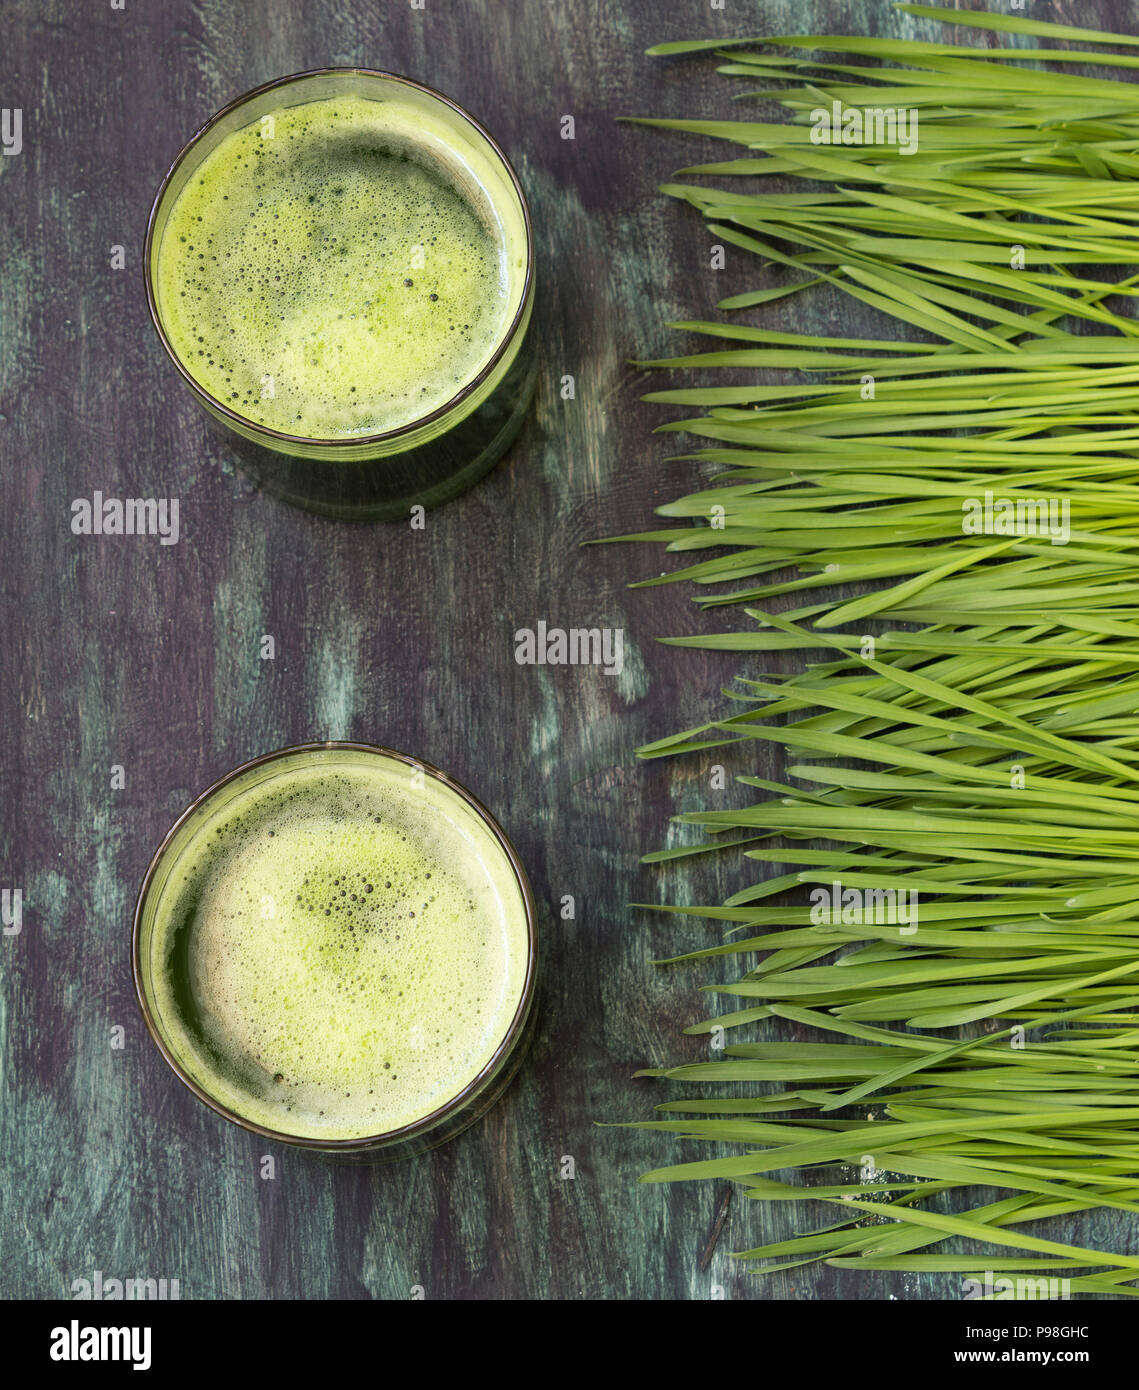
{"points": [[341, 953], [340, 278]]}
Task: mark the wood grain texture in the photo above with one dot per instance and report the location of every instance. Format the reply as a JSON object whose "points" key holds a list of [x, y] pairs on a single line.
{"points": [[117, 651]]}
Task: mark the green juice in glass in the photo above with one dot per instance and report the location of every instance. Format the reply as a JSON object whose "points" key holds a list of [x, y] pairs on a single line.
{"points": [[333, 946], [337, 269]]}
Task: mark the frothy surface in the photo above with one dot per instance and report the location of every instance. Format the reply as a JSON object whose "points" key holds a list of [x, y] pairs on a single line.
{"points": [[344, 277], [338, 953]]}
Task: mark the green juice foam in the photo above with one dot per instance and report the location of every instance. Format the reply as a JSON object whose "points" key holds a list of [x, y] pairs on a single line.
{"points": [[335, 952], [344, 275]]}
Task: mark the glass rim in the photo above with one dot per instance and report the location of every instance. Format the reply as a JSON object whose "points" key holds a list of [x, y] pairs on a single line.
{"points": [[426, 1123], [412, 426]]}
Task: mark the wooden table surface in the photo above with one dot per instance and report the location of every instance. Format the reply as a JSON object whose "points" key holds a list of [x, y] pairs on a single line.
{"points": [[118, 652]]}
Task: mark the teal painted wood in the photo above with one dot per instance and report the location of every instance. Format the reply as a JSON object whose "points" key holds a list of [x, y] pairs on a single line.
{"points": [[120, 652]]}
